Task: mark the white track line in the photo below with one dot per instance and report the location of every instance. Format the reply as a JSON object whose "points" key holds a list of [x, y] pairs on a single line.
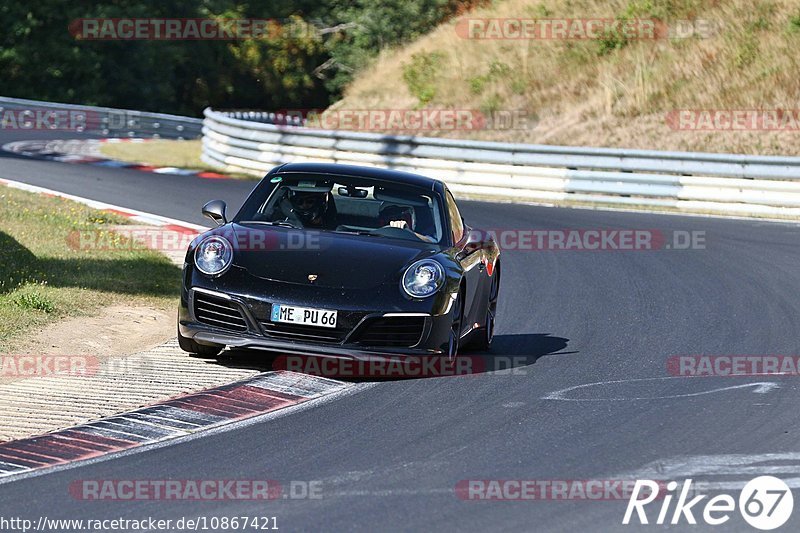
{"points": [[133, 214]]}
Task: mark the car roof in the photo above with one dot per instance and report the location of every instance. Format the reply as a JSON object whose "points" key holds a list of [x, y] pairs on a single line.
{"points": [[358, 172]]}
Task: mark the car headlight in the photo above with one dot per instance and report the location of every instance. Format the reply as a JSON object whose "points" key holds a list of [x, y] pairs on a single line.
{"points": [[423, 278], [213, 256]]}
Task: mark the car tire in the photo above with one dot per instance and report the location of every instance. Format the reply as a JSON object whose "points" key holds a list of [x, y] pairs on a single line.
{"points": [[203, 350], [455, 328], [485, 334]]}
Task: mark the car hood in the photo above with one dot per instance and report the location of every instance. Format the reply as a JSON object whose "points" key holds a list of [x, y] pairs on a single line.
{"points": [[337, 261]]}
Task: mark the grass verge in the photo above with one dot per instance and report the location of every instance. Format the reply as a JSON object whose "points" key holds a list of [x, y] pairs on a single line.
{"points": [[44, 277]]}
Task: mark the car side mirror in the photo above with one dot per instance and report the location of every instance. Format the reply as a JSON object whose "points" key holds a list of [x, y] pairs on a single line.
{"points": [[215, 210], [473, 243]]}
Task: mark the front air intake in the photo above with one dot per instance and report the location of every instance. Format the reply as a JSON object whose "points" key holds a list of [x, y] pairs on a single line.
{"points": [[397, 331], [218, 312]]}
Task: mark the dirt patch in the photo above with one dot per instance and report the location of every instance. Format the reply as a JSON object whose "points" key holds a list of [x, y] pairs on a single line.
{"points": [[117, 330]]}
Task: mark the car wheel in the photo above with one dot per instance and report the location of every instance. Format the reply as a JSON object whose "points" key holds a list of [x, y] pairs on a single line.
{"points": [[483, 340], [203, 350], [455, 328]]}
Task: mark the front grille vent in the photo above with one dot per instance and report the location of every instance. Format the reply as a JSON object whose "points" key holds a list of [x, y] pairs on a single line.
{"points": [[301, 332], [219, 312], [401, 331]]}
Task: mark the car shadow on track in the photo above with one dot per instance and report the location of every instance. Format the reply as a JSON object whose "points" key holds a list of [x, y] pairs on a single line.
{"points": [[509, 352]]}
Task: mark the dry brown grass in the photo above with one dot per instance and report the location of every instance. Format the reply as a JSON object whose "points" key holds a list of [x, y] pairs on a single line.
{"points": [[164, 153], [582, 96]]}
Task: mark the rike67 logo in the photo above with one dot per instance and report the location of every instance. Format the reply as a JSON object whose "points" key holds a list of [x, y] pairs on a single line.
{"points": [[765, 503]]}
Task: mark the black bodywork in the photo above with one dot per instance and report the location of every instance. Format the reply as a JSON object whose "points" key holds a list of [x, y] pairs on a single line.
{"points": [[357, 275]]}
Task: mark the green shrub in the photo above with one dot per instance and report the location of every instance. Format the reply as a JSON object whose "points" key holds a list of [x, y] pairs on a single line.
{"points": [[794, 23], [420, 75], [33, 300], [610, 41]]}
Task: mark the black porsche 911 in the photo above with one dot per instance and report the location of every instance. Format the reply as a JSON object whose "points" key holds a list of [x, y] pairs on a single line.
{"points": [[341, 261]]}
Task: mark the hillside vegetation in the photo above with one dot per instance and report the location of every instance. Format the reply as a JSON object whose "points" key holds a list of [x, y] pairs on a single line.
{"points": [[287, 54], [610, 91]]}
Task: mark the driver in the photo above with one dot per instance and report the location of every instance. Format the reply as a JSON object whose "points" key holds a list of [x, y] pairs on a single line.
{"points": [[314, 209]]}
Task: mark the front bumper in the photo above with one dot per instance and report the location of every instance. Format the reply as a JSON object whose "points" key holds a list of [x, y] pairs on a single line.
{"points": [[203, 335], [433, 338]]}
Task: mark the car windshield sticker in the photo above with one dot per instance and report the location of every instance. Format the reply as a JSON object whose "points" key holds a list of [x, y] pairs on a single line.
{"points": [[276, 179]]}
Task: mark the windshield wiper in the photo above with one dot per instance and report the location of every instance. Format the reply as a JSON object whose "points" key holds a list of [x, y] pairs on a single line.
{"points": [[357, 232], [281, 223], [285, 224]]}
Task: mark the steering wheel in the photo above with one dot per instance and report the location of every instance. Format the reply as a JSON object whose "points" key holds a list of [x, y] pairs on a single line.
{"points": [[391, 231]]}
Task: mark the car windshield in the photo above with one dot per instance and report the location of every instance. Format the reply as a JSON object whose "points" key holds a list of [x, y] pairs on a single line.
{"points": [[346, 205]]}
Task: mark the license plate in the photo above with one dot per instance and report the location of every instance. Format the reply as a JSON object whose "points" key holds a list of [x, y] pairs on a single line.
{"points": [[303, 315]]}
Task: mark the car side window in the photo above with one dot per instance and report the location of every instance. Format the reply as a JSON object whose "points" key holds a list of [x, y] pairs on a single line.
{"points": [[456, 223]]}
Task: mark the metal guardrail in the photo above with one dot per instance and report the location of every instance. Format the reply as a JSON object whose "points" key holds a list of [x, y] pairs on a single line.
{"points": [[105, 121], [689, 181]]}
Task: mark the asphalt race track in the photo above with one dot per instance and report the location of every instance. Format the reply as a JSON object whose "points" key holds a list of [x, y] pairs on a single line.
{"points": [[389, 455]]}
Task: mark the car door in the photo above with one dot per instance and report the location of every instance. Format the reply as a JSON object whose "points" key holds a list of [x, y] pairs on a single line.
{"points": [[470, 259]]}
